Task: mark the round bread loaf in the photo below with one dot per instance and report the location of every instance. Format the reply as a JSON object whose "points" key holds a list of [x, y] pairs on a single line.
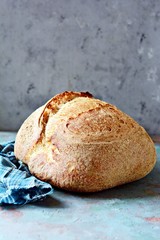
{"points": [[80, 143]]}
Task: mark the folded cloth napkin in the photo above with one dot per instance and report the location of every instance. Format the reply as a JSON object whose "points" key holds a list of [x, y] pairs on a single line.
{"points": [[17, 185]]}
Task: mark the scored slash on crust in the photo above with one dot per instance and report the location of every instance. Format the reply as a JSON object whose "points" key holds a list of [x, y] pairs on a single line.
{"points": [[53, 104]]}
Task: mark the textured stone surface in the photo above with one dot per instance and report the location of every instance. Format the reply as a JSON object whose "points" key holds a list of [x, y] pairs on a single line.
{"points": [[110, 48]]}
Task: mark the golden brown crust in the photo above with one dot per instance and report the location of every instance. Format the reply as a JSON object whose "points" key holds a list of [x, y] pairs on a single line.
{"points": [[80, 143], [32, 130], [54, 103], [28, 135]]}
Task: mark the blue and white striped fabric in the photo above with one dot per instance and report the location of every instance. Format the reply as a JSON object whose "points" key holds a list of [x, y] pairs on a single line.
{"points": [[17, 185]]}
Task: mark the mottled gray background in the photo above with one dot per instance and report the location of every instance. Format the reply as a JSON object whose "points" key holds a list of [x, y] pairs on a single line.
{"points": [[110, 48]]}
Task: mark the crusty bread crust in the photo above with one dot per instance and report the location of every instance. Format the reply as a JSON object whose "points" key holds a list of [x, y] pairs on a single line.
{"points": [[83, 144]]}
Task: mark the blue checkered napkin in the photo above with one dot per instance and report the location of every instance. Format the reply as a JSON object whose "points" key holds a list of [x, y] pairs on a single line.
{"points": [[17, 185]]}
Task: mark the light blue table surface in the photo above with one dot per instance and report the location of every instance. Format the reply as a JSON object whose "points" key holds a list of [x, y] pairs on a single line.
{"points": [[129, 212]]}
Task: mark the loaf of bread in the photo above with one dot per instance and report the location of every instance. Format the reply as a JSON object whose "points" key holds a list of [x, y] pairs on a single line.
{"points": [[80, 143]]}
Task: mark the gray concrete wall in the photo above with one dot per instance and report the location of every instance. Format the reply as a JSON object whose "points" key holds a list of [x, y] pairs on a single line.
{"points": [[110, 48]]}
